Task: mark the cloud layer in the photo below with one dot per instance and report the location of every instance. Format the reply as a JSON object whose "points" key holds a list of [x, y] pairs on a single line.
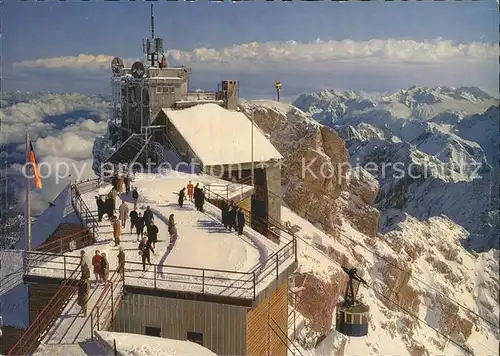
{"points": [[62, 133], [288, 54], [374, 65]]}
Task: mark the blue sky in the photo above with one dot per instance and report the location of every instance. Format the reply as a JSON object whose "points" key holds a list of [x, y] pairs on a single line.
{"points": [[67, 29]]}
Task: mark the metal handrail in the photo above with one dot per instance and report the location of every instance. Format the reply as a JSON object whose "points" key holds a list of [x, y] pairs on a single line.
{"points": [[205, 277], [97, 308], [58, 244], [48, 315], [266, 223], [84, 213], [144, 146], [286, 339]]}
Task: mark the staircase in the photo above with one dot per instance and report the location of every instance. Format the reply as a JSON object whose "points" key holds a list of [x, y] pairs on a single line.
{"points": [[37, 329]]}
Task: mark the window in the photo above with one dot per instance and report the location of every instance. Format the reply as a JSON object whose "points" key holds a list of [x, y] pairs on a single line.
{"points": [[152, 331], [165, 89], [348, 318], [195, 337]]}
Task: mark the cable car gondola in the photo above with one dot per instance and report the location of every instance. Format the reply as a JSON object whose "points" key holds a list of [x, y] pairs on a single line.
{"points": [[352, 315]]}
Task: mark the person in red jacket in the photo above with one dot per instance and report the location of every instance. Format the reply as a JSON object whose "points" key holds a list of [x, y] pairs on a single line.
{"points": [[97, 263], [190, 188]]}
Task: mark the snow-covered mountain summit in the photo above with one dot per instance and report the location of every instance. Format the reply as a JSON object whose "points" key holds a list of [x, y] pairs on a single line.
{"points": [[415, 263], [450, 135], [328, 106]]}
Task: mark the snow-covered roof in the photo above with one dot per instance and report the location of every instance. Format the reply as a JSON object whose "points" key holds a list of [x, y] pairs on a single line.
{"points": [[52, 217], [219, 136], [142, 345]]}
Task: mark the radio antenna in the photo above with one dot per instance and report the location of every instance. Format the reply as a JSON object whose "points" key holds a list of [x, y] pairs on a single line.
{"points": [[152, 23]]}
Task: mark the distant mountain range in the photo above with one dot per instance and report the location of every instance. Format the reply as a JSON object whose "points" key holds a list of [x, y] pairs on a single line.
{"points": [[450, 135]]}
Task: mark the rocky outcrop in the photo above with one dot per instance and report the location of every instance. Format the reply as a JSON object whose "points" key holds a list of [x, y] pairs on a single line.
{"points": [[316, 173], [410, 249]]}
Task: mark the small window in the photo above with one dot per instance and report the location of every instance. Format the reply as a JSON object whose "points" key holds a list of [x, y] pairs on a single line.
{"points": [[348, 318], [152, 331], [195, 337]]}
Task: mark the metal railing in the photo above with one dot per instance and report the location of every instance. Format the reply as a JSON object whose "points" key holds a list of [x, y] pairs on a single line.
{"points": [[197, 280], [73, 241], [87, 186], [199, 95], [88, 220], [38, 263], [270, 227], [283, 337], [104, 310], [38, 328]]}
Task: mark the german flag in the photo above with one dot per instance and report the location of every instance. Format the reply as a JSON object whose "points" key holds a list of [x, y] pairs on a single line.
{"points": [[38, 181]]}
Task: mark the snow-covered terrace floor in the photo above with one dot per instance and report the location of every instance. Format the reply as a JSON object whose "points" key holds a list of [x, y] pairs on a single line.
{"points": [[204, 259]]}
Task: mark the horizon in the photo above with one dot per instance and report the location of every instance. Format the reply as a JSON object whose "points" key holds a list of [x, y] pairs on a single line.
{"points": [[370, 47]]}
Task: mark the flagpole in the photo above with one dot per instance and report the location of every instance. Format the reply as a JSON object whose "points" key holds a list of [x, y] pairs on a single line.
{"points": [[251, 135], [28, 199]]}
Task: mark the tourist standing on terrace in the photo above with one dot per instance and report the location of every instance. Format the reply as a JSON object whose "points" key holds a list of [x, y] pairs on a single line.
{"points": [[231, 216], [181, 197], [113, 193], [126, 180], [153, 234], [148, 216], [123, 211], [96, 262], [121, 260], [190, 188], [240, 221], [104, 267], [83, 295], [116, 229], [133, 220], [135, 196], [100, 208], [139, 226], [224, 212], [144, 251]]}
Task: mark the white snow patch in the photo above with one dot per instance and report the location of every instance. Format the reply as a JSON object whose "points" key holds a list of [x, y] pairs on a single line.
{"points": [[201, 125], [141, 345]]}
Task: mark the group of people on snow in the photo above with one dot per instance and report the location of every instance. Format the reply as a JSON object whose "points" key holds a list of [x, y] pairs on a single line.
{"points": [[232, 217], [100, 266], [194, 192]]}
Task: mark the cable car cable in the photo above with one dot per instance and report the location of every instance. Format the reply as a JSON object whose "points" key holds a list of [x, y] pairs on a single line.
{"points": [[496, 325], [403, 309]]}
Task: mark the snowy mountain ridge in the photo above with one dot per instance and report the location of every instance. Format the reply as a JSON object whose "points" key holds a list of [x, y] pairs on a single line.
{"points": [[448, 135], [419, 264]]}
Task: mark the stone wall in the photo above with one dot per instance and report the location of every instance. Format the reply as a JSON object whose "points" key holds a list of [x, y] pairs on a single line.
{"points": [[273, 178]]}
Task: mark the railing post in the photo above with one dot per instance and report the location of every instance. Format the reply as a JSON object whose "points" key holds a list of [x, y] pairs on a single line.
{"points": [[295, 246], [277, 264], [61, 243], [112, 305], [202, 281], [92, 325], [64, 262], [98, 317], [154, 277], [254, 282]]}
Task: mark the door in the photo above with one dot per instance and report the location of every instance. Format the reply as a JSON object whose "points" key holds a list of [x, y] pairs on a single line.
{"points": [[152, 331], [259, 203], [195, 337]]}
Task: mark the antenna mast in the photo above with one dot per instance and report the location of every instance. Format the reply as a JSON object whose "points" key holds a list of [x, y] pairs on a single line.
{"points": [[152, 23]]}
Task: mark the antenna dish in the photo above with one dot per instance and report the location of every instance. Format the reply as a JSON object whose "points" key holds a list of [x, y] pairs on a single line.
{"points": [[138, 70], [117, 65]]}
